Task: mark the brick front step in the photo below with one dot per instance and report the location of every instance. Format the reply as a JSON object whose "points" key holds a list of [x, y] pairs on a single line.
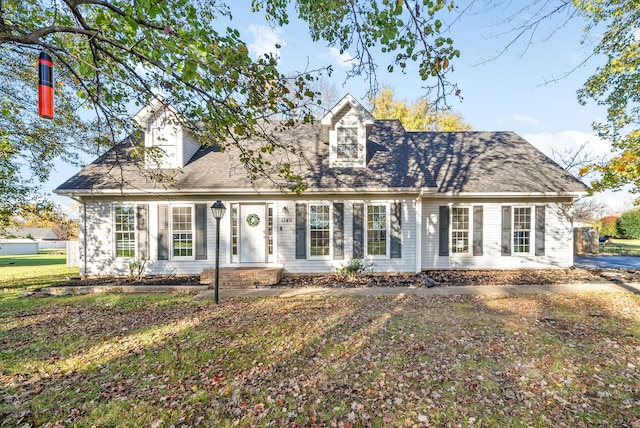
{"points": [[242, 277]]}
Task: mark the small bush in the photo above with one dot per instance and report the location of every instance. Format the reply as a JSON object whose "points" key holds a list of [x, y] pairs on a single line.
{"points": [[629, 225], [607, 226], [353, 268], [136, 270]]}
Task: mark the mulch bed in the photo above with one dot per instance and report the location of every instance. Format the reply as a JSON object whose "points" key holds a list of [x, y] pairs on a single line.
{"points": [[148, 280], [469, 277], [441, 277]]}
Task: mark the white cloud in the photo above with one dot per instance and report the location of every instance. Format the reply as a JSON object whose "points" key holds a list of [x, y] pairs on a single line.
{"points": [[341, 60], [265, 40], [569, 140], [572, 140], [523, 118]]}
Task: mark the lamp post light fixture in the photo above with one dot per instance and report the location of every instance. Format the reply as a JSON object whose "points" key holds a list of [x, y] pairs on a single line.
{"points": [[218, 209]]}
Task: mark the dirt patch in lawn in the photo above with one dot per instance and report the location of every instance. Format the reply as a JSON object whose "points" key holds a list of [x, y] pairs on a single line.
{"points": [[441, 278]]}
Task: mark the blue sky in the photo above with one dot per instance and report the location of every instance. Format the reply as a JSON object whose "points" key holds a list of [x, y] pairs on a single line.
{"points": [[500, 92]]}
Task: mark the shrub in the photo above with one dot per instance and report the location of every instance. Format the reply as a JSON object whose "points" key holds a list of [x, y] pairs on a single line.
{"points": [[136, 270], [607, 226], [629, 224], [353, 268]]}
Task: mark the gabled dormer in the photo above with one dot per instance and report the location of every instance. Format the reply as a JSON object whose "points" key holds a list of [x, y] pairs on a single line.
{"points": [[345, 128], [163, 130]]}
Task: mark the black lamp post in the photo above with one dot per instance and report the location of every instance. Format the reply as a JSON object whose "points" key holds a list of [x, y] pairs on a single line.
{"points": [[218, 211]]}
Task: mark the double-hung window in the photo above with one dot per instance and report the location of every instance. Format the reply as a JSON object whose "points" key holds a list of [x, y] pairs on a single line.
{"points": [[522, 230], [377, 230], [319, 230], [347, 143], [460, 225], [182, 231], [125, 230]]}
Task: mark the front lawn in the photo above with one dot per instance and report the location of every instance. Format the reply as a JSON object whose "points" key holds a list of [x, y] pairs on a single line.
{"points": [[26, 272], [164, 360], [630, 247]]}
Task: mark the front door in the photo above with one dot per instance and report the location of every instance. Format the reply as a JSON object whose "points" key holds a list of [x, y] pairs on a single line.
{"points": [[253, 233]]}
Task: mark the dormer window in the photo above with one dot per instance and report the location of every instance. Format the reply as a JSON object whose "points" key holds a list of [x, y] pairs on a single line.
{"points": [[164, 137], [345, 128], [347, 143], [169, 143]]}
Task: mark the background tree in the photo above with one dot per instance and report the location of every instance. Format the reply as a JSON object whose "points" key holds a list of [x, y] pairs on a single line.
{"points": [[629, 224], [616, 85], [419, 116], [607, 226], [50, 217], [573, 160], [589, 210]]}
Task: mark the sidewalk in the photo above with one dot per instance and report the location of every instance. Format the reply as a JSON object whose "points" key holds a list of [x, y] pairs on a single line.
{"points": [[607, 287]]}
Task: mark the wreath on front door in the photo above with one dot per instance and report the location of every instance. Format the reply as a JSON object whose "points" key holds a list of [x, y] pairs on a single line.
{"points": [[253, 220]]}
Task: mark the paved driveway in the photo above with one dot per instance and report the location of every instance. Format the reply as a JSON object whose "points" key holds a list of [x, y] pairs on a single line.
{"points": [[607, 262]]}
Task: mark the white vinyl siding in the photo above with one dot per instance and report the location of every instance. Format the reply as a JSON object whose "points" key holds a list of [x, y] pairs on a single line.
{"points": [[286, 240], [558, 245], [189, 147]]}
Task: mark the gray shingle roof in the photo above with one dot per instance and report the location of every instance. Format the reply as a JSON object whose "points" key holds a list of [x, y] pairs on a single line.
{"points": [[32, 232], [447, 162]]}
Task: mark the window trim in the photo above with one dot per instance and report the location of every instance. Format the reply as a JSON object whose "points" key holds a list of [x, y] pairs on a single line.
{"points": [[387, 254], [469, 230], [531, 231], [330, 238], [135, 231], [172, 255]]}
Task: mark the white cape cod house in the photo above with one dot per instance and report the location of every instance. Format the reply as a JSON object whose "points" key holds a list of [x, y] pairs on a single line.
{"points": [[406, 201]]}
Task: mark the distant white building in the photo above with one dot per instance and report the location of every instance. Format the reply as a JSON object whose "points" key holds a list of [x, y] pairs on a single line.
{"points": [[27, 240], [18, 246]]}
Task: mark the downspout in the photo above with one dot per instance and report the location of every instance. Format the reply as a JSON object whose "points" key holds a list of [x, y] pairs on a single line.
{"points": [[418, 261]]}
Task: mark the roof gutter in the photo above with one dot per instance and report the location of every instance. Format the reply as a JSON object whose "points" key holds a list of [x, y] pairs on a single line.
{"points": [[492, 195], [423, 192], [240, 192]]}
